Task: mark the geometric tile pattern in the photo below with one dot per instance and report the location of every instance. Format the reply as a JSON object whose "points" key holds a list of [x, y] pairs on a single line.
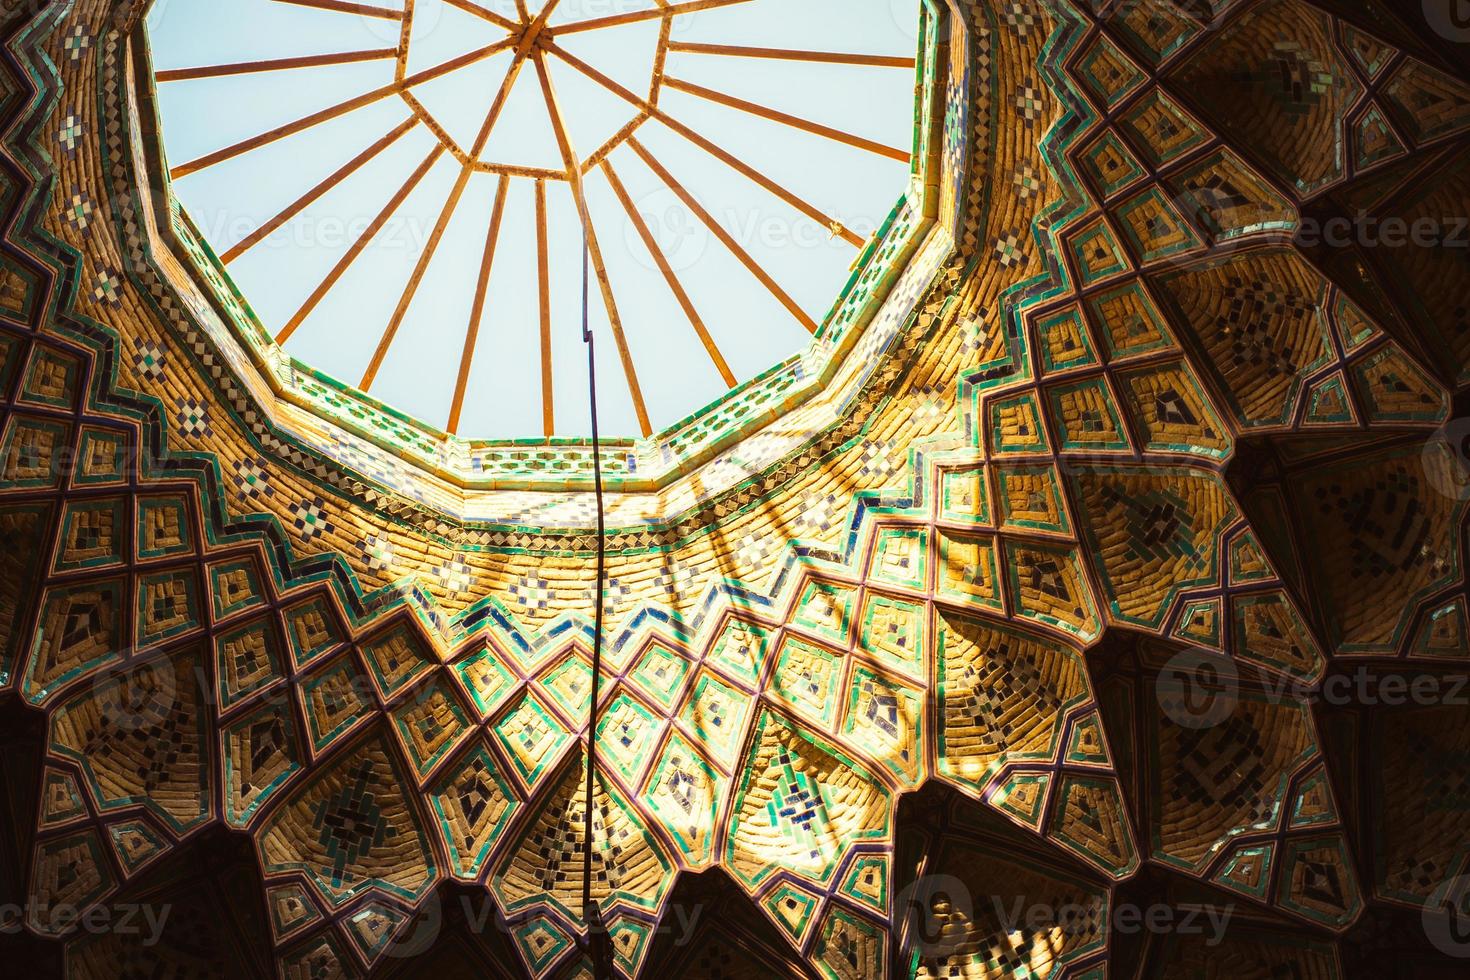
{"points": [[1117, 410]]}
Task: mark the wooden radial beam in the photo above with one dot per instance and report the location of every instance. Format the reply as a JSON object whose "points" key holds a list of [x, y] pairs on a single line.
{"points": [[543, 296], [724, 156], [724, 236], [339, 109], [669, 275], [307, 199], [786, 119], [405, 37], [661, 57], [574, 180], [533, 38], [789, 54], [477, 312], [485, 14], [446, 214], [638, 16], [363, 240], [277, 64], [415, 280]]}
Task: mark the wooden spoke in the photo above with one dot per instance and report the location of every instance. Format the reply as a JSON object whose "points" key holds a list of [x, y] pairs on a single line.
{"points": [[613, 142], [661, 58], [668, 273], [405, 36], [484, 13], [279, 64], [497, 105], [724, 156], [543, 279], [447, 213], [530, 37], [335, 111], [305, 200], [787, 54], [796, 122], [281, 132], [343, 7], [357, 247], [426, 257], [477, 312], [574, 179], [724, 236], [637, 16]]}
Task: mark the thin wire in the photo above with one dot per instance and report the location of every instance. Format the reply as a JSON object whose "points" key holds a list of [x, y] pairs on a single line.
{"points": [[590, 912]]}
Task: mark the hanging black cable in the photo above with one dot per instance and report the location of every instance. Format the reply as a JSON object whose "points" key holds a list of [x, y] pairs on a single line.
{"points": [[592, 917]]}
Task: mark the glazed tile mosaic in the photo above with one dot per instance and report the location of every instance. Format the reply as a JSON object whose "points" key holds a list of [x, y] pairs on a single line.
{"points": [[900, 637]]}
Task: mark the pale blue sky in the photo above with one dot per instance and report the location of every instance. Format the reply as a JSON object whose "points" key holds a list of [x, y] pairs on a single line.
{"points": [[752, 329]]}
